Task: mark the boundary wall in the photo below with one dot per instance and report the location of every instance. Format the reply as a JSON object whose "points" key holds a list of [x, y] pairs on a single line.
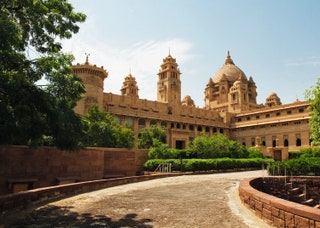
{"points": [[276, 211], [23, 168]]}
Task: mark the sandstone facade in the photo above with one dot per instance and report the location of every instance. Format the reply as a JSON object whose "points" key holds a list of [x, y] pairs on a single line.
{"points": [[230, 108]]}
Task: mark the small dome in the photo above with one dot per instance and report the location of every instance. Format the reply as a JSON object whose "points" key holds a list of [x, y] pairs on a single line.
{"points": [[187, 101], [273, 100], [229, 71]]}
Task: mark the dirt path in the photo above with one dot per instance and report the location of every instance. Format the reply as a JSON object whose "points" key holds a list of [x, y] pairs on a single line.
{"points": [[184, 201]]}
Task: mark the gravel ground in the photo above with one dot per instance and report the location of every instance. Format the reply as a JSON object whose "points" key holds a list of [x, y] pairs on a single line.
{"points": [[209, 200]]}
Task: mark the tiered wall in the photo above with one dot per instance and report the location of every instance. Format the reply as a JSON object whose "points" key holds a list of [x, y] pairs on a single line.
{"points": [[277, 211]]}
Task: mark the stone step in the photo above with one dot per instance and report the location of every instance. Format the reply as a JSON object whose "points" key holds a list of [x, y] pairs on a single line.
{"points": [[294, 191], [308, 202]]}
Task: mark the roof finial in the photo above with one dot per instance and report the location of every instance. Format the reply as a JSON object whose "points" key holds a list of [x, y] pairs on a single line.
{"points": [[87, 57], [229, 60], [169, 51]]}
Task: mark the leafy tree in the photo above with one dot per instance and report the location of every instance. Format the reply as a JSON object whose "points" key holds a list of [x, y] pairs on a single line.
{"points": [[28, 113], [147, 135], [313, 96], [217, 146], [254, 153], [160, 150], [102, 130]]}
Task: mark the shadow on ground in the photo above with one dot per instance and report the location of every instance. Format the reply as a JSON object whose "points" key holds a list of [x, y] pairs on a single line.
{"points": [[54, 216]]}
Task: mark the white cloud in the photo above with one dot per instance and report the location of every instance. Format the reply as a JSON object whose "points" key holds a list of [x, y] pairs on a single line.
{"points": [[143, 59], [312, 61]]}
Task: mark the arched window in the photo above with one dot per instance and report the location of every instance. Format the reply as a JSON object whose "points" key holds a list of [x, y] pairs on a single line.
{"points": [[298, 142], [129, 121], [221, 131], [153, 123], [286, 143], [207, 129], [199, 128], [163, 124], [214, 130], [142, 122], [274, 143], [263, 143]]}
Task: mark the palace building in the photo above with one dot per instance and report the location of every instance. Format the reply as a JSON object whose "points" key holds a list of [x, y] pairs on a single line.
{"points": [[230, 108]]}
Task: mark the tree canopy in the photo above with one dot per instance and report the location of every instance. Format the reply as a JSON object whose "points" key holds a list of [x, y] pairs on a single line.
{"points": [[147, 136], [102, 130], [30, 50], [313, 96], [217, 146]]}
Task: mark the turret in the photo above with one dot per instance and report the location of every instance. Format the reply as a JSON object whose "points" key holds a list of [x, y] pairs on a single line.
{"points": [[93, 78], [169, 84], [129, 87]]}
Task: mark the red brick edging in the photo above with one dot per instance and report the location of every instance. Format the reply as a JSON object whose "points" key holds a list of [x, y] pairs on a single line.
{"points": [[275, 211], [24, 199]]}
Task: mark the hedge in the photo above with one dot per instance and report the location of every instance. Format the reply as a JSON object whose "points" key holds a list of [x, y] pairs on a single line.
{"points": [[303, 166], [208, 164]]}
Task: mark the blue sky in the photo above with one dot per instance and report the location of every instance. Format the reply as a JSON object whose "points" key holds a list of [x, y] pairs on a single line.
{"points": [[274, 41]]}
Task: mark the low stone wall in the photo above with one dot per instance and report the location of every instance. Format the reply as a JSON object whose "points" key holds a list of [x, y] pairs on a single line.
{"points": [[23, 168], [26, 198], [276, 211]]}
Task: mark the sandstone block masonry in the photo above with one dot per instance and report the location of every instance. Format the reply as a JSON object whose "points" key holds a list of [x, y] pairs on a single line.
{"points": [[23, 168], [277, 211]]}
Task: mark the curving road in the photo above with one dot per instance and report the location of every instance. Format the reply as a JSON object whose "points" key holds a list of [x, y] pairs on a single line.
{"points": [[209, 200]]}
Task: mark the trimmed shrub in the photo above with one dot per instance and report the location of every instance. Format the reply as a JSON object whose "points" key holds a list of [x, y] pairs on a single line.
{"points": [[194, 165], [303, 166]]}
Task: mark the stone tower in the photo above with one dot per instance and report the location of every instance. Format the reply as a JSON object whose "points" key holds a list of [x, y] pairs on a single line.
{"points": [[169, 84], [130, 87], [93, 78], [230, 90]]}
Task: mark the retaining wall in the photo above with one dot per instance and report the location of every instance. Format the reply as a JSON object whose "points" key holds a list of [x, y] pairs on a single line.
{"points": [[27, 198], [276, 211]]}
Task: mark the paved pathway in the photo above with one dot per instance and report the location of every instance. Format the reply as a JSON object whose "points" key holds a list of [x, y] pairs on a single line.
{"points": [[186, 201]]}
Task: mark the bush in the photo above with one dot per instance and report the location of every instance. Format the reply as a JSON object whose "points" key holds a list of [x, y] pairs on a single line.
{"points": [[303, 166], [294, 155], [207, 164], [254, 153], [217, 146]]}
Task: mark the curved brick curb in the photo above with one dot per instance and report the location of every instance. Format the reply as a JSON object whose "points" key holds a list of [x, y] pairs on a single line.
{"points": [[275, 211], [23, 199]]}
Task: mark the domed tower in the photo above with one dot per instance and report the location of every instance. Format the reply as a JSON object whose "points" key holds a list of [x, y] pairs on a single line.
{"points": [[230, 90], [252, 91], [273, 100], [130, 87], [93, 78], [238, 95], [169, 84], [188, 101]]}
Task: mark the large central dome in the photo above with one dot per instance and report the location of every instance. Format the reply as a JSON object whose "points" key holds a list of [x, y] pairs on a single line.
{"points": [[228, 71]]}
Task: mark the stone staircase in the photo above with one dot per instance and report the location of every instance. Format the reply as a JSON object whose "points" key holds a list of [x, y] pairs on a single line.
{"points": [[299, 195]]}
